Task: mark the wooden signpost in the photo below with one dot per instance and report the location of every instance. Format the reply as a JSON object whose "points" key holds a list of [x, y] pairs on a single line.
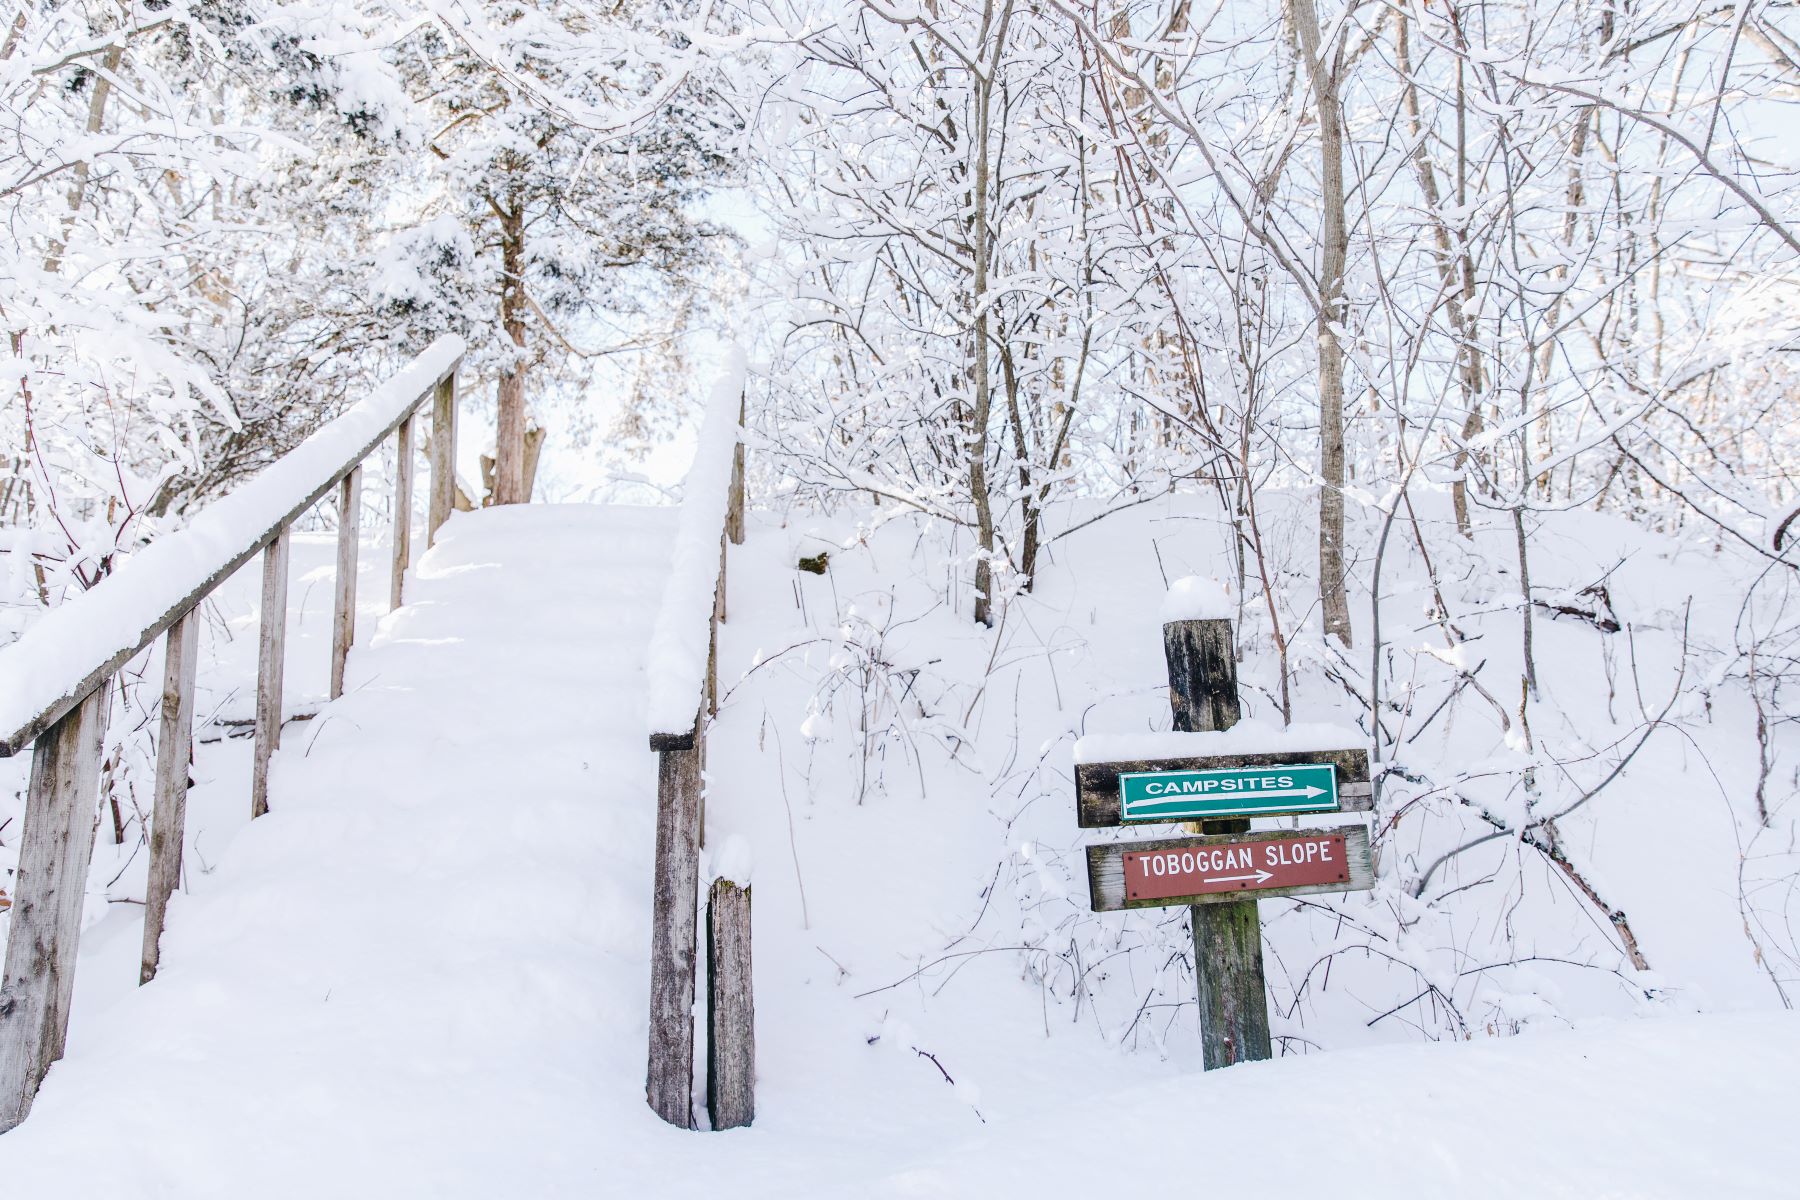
{"points": [[1223, 873]]}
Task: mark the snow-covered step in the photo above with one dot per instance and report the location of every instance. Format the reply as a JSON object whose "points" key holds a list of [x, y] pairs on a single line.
{"points": [[426, 967]]}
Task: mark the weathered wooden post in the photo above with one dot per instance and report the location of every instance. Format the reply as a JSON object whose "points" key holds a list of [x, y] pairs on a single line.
{"points": [[712, 645], [174, 747], [271, 662], [680, 829], [443, 457], [343, 613], [403, 495], [734, 509], [669, 1079], [731, 1007], [1234, 1012], [55, 848]]}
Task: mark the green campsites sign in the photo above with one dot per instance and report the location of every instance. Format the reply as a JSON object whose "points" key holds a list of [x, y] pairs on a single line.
{"points": [[1230, 792]]}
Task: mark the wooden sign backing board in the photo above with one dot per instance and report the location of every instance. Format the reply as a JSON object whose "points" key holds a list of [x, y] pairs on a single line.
{"points": [[1097, 784], [1274, 853]]}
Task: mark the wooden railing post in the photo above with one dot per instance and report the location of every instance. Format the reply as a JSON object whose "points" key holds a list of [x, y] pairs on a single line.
{"points": [[680, 821], [712, 647], [669, 1081], [734, 510], [343, 615], [270, 663], [730, 1007], [174, 749], [443, 457], [403, 494], [55, 848]]}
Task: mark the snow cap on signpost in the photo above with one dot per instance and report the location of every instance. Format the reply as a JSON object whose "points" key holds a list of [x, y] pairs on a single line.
{"points": [[733, 860], [1197, 598]]}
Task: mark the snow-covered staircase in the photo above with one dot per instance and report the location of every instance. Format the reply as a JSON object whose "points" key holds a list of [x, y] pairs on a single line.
{"points": [[426, 966]]}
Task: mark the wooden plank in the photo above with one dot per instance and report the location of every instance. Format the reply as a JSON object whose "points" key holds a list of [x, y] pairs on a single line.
{"points": [[403, 498], [712, 638], [1234, 1007], [730, 1009], [56, 844], [1097, 784], [271, 655], [343, 613], [174, 751], [734, 510], [1106, 869], [18, 739], [443, 457], [669, 1081]]}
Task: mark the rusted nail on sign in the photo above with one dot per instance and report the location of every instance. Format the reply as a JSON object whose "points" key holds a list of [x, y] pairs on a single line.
{"points": [[1228, 867]]}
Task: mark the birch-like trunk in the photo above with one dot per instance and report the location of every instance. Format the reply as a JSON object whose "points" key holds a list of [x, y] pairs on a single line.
{"points": [[1334, 251]]}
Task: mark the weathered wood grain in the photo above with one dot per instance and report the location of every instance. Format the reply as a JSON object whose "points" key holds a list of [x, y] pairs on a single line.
{"points": [[669, 1080], [403, 498], [1106, 868], [271, 661], [1234, 1007], [712, 635], [443, 457], [734, 510], [343, 610], [1097, 784], [1203, 691], [56, 845], [731, 1008], [174, 751]]}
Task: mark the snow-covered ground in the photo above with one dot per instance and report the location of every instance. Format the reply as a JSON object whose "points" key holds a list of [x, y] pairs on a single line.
{"points": [[425, 973]]}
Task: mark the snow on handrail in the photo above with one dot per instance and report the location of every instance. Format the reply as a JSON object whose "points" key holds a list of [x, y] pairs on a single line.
{"points": [[682, 639], [77, 646]]}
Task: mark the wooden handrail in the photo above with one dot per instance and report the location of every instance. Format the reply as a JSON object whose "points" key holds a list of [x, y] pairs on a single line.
{"points": [[712, 508], [57, 678], [683, 694], [79, 645]]}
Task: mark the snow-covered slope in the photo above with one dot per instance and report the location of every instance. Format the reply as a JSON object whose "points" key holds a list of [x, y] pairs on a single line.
{"points": [[424, 975]]}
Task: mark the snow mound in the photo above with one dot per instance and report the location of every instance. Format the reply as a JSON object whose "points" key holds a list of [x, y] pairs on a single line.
{"points": [[1197, 598]]}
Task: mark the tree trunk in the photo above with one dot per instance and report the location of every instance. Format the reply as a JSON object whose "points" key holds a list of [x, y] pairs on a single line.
{"points": [[983, 385], [510, 486], [96, 117], [1333, 253], [1459, 292]]}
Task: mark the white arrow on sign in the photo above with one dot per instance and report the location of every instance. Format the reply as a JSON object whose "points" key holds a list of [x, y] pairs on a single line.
{"points": [[1307, 792], [1180, 800], [1260, 877]]}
